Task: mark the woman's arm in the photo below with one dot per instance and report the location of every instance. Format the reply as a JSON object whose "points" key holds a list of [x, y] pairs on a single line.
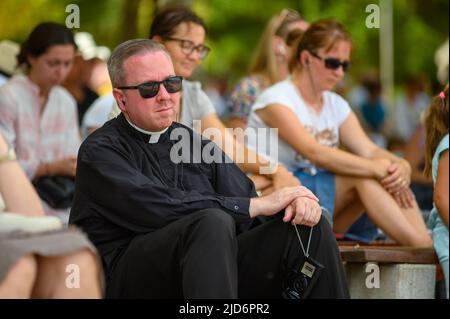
{"points": [[355, 139], [440, 195], [293, 133], [246, 159], [15, 188]]}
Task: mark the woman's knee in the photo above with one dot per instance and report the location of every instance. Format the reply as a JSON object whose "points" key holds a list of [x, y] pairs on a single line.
{"points": [[84, 259], [26, 267], [82, 262], [20, 279]]}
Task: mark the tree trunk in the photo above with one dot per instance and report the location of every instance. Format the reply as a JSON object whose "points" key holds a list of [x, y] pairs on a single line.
{"points": [[131, 8]]}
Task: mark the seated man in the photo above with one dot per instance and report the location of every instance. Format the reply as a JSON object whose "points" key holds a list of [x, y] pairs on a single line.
{"points": [[179, 226]]}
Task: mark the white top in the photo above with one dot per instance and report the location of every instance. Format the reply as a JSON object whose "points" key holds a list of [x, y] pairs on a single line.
{"points": [[407, 114], [323, 126], [97, 114], [38, 137], [195, 104]]}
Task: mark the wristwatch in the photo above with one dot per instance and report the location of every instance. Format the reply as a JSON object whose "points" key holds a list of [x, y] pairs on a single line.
{"points": [[10, 155]]}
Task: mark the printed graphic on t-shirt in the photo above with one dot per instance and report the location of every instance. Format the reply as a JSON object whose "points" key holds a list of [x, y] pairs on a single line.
{"points": [[326, 137]]}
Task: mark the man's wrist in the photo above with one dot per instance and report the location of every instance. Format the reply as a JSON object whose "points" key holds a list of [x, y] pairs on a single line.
{"points": [[254, 207]]}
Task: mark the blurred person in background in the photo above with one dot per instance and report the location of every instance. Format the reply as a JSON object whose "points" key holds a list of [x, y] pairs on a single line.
{"points": [[313, 121], [38, 117], [269, 63]]}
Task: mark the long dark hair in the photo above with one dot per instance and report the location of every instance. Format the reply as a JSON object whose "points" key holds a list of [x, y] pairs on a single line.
{"points": [[169, 18], [436, 124], [42, 37]]}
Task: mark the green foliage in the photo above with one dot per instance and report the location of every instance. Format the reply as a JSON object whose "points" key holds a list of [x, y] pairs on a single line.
{"points": [[236, 25]]}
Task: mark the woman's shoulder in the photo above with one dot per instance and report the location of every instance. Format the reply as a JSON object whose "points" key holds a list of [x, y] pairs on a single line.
{"points": [[335, 97], [191, 85], [279, 89], [17, 82], [280, 93], [17, 90], [254, 82], [443, 144]]}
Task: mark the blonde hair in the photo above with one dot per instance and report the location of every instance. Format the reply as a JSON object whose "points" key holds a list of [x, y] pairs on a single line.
{"points": [[325, 33], [436, 125], [264, 60]]}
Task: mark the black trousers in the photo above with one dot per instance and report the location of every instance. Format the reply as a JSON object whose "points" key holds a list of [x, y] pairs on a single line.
{"points": [[200, 256]]}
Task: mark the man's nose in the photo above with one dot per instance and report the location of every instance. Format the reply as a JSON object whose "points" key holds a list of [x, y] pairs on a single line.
{"points": [[162, 93]]}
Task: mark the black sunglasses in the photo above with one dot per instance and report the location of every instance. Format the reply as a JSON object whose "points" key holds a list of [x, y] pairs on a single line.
{"points": [[332, 63], [149, 89]]}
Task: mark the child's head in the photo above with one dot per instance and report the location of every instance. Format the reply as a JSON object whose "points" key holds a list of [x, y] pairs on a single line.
{"points": [[436, 123]]}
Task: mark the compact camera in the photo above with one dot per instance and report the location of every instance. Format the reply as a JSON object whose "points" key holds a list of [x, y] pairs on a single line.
{"points": [[301, 278]]}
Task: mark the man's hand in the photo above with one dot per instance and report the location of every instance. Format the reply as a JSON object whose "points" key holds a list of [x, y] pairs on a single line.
{"points": [[278, 200], [303, 211]]}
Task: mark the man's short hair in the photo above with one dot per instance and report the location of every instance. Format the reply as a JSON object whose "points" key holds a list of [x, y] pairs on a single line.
{"points": [[126, 50]]}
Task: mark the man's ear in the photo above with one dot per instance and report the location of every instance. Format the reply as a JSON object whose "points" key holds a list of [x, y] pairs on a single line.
{"points": [[120, 99]]}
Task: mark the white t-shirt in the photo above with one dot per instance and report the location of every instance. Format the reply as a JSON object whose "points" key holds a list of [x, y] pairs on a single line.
{"points": [[97, 114], [323, 126], [195, 103]]}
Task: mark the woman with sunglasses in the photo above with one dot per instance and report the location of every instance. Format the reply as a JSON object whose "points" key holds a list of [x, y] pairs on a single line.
{"points": [[312, 122], [269, 64], [183, 34]]}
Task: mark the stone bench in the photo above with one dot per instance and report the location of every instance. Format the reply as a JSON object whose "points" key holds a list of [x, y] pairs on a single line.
{"points": [[389, 272]]}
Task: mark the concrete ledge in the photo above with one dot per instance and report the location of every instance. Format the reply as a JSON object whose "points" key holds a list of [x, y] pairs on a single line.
{"points": [[391, 281], [390, 272]]}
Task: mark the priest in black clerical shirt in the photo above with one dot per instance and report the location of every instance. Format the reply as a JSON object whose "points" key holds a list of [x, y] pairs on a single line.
{"points": [[173, 217]]}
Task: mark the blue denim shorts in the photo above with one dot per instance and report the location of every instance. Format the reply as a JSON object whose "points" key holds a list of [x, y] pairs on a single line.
{"points": [[323, 186]]}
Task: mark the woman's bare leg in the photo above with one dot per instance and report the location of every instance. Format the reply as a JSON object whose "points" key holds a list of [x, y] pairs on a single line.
{"points": [[404, 226], [75, 275], [19, 281], [347, 206]]}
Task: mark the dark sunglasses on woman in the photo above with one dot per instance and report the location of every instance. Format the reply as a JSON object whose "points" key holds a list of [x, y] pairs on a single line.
{"points": [[173, 84], [332, 63]]}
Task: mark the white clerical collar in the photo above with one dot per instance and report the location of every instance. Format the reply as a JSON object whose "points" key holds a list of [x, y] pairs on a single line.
{"points": [[154, 136]]}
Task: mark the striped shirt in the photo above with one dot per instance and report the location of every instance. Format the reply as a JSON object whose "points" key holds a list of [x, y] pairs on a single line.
{"points": [[38, 137]]}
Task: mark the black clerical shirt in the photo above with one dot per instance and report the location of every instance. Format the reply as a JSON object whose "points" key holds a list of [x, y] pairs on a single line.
{"points": [[126, 186]]}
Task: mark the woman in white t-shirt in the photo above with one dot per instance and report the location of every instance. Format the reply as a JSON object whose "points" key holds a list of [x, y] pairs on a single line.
{"points": [[312, 122]]}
